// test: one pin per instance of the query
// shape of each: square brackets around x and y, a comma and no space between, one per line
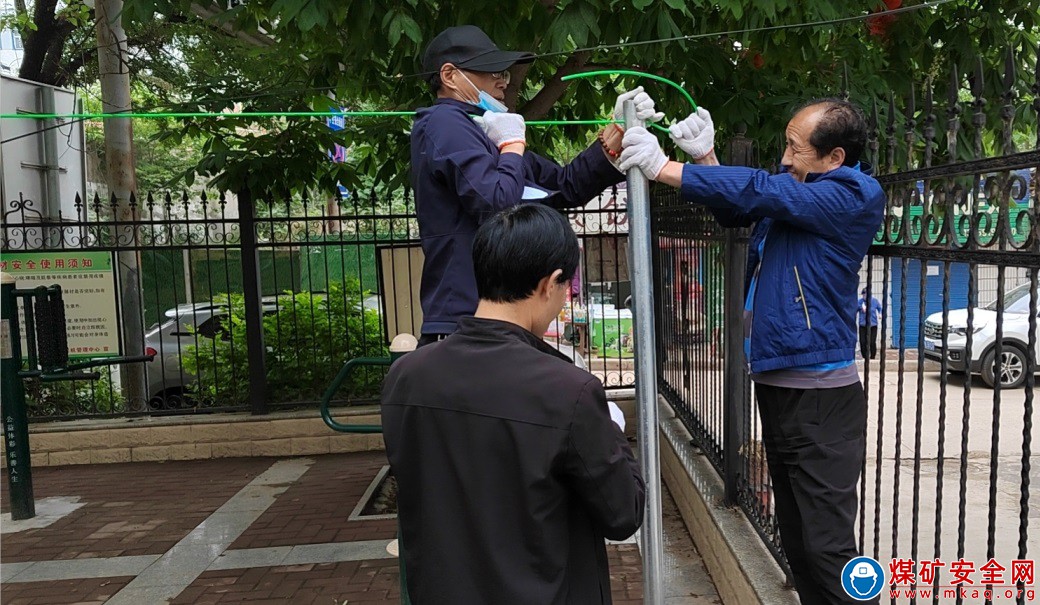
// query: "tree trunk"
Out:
[122,181]
[49,33]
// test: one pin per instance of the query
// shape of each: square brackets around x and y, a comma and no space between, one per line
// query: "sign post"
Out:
[15,416]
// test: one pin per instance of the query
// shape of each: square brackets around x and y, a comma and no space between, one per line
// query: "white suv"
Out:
[1014,363]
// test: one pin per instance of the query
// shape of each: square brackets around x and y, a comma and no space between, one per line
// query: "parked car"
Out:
[1014,363]
[185,326]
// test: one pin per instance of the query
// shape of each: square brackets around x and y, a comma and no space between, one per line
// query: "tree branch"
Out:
[154,34]
[35,42]
[538,107]
[52,70]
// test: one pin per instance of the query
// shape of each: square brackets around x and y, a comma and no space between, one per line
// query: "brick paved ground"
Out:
[129,509]
[147,508]
[316,508]
[80,591]
[359,583]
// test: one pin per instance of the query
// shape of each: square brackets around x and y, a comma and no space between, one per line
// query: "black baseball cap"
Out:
[468,47]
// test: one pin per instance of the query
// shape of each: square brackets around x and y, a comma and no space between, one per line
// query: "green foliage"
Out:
[19,21]
[364,55]
[308,338]
[162,162]
[76,12]
[75,398]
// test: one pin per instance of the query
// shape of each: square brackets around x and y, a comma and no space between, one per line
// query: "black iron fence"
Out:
[951,469]
[254,304]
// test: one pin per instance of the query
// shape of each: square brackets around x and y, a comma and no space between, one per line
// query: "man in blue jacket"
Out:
[812,228]
[869,311]
[464,170]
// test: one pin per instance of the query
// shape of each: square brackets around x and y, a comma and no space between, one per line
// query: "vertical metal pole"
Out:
[737,412]
[255,351]
[15,416]
[49,144]
[646,376]
[735,401]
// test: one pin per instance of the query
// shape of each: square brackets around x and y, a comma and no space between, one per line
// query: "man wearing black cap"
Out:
[464,170]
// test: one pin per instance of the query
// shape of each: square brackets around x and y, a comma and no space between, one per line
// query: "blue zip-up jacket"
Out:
[460,179]
[818,233]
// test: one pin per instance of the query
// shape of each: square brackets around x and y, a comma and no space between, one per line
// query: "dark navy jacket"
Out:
[460,180]
[816,235]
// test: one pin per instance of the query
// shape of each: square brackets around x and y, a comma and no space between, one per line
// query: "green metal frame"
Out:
[330,392]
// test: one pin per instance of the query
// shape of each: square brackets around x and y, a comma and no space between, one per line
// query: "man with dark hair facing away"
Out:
[812,228]
[510,471]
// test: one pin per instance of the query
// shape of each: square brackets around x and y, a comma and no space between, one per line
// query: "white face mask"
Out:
[484,100]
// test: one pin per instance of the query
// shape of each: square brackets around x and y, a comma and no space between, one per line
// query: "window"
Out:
[214,327]
[17,40]
[1015,301]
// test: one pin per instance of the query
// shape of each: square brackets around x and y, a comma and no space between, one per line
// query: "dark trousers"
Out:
[868,341]
[815,443]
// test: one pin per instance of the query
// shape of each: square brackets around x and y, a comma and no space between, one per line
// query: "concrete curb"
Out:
[742,568]
[197,437]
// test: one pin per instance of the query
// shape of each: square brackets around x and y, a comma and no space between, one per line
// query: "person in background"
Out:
[869,312]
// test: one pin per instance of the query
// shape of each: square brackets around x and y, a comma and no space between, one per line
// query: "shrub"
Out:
[308,337]
[75,398]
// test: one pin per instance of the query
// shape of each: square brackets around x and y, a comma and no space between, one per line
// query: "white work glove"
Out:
[640,149]
[644,106]
[504,128]
[695,135]
[616,415]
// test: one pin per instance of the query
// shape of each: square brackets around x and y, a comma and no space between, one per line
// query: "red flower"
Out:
[878,26]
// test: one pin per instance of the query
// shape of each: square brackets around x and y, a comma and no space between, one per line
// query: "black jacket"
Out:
[510,472]
[460,179]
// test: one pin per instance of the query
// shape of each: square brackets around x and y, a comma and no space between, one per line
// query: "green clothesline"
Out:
[330,114]
[253,114]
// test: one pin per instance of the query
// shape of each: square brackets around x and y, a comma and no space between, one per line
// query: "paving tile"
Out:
[292,547]
[165,500]
[50,571]
[64,591]
[316,509]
